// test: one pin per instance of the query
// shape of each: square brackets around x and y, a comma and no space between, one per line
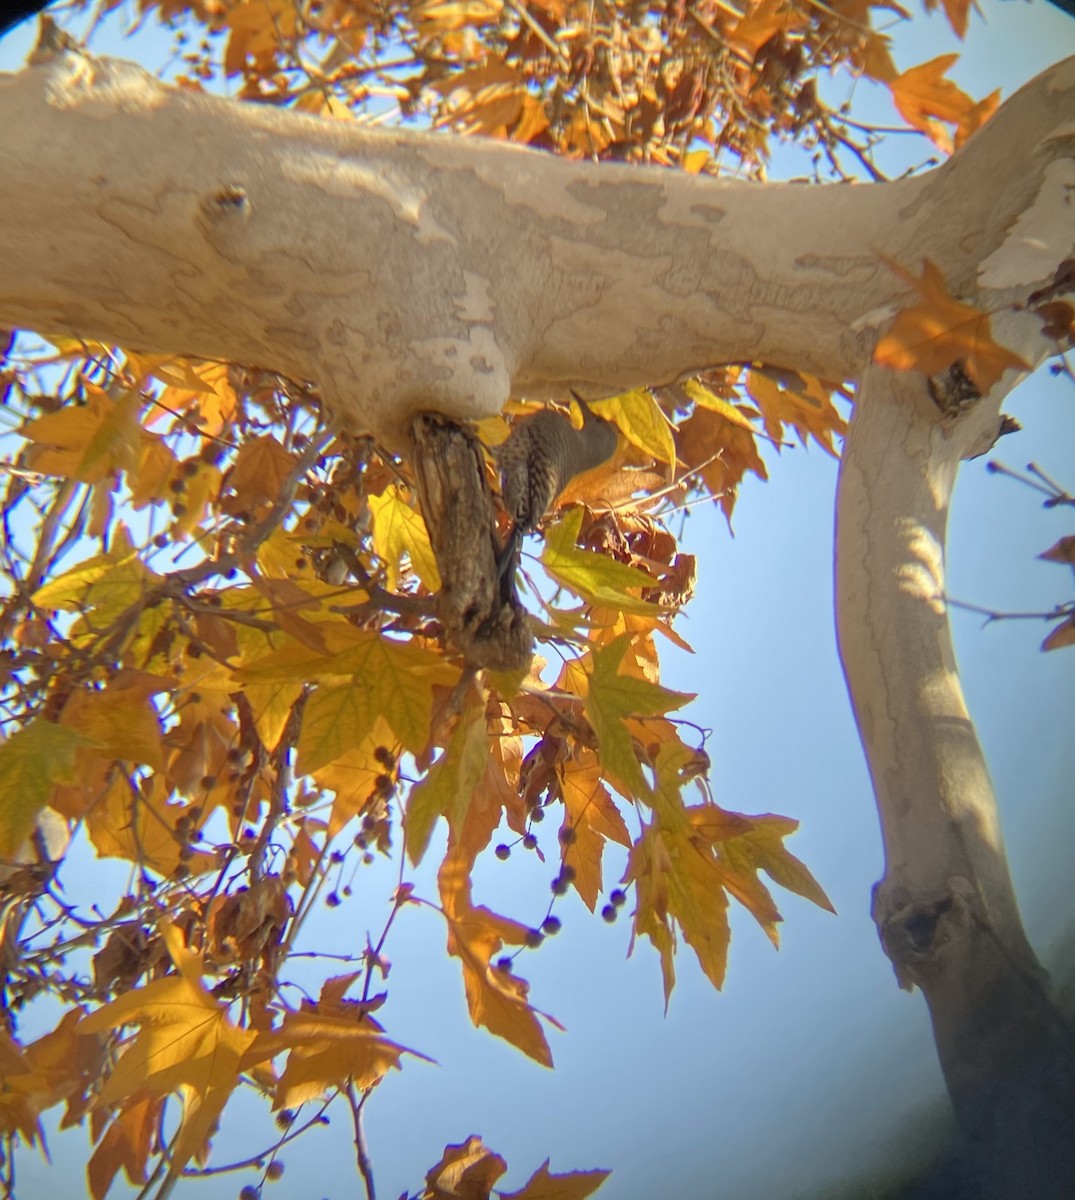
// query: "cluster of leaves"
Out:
[221,664]
[700,84]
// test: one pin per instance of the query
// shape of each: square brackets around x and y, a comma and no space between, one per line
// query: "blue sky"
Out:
[811,1067]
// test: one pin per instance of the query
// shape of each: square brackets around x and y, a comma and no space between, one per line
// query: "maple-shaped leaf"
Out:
[595,577]
[356,775]
[468,1171]
[717,444]
[328,1042]
[611,699]
[592,817]
[639,418]
[140,827]
[204,387]
[398,529]
[121,720]
[185,1042]
[261,469]
[496,999]
[31,761]
[126,1144]
[106,584]
[801,401]
[939,330]
[397,677]
[150,477]
[88,442]
[572,1185]
[927,101]
[957,12]
[449,783]
[761,848]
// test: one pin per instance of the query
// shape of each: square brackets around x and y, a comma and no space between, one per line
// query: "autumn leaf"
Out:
[639,418]
[801,401]
[592,817]
[329,1042]
[121,720]
[611,699]
[31,761]
[1062,635]
[496,999]
[927,101]
[468,1171]
[761,848]
[398,529]
[573,1185]
[185,1042]
[89,441]
[396,677]
[939,330]
[201,386]
[595,577]
[449,783]
[259,473]
[957,12]
[126,1144]
[140,827]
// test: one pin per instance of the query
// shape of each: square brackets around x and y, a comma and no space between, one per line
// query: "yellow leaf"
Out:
[449,784]
[595,577]
[141,827]
[496,998]
[90,441]
[203,386]
[761,848]
[592,818]
[611,699]
[329,1042]
[397,677]
[640,419]
[121,719]
[397,530]
[185,1043]
[939,330]
[467,1171]
[31,761]
[333,720]
[156,467]
[543,1185]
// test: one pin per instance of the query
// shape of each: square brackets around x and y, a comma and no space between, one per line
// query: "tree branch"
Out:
[402,271]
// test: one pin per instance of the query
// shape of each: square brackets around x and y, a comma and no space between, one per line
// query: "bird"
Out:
[542,454]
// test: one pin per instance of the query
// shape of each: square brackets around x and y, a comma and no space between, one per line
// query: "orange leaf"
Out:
[328,1042]
[185,1043]
[927,101]
[939,330]
[496,998]
[543,1185]
[468,1171]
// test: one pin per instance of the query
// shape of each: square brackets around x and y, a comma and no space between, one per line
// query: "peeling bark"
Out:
[458,511]
[405,272]
[945,909]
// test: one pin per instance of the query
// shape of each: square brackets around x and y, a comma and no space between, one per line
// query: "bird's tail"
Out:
[508,563]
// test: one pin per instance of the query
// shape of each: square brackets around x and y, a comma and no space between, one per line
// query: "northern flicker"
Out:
[540,457]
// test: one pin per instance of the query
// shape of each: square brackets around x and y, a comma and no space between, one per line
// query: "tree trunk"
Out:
[945,908]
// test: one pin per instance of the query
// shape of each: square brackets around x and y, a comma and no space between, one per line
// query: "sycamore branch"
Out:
[401,271]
